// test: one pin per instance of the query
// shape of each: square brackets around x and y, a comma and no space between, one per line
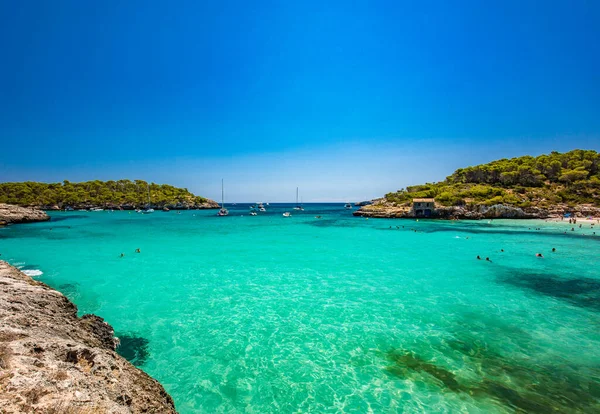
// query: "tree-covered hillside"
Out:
[571,178]
[96,193]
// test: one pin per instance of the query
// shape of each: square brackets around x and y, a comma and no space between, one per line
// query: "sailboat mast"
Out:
[222,195]
[296,195]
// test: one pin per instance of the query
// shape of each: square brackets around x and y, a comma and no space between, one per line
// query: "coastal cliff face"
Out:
[10,214]
[384,209]
[51,361]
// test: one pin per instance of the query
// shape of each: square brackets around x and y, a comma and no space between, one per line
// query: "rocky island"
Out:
[547,186]
[118,195]
[51,361]
[11,214]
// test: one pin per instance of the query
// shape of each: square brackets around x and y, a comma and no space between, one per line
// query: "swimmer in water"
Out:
[502,250]
[538,255]
[138,250]
[553,249]
[487,259]
[122,254]
[478,258]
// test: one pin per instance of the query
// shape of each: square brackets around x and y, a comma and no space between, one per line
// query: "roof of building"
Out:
[423,200]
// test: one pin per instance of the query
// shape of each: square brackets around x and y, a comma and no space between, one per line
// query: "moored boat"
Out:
[223,211]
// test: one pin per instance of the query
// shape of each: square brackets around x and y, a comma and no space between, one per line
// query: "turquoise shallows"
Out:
[338,314]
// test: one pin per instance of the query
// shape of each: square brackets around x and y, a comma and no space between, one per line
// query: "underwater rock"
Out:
[133,348]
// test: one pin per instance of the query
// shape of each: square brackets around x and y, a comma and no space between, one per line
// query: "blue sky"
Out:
[348,100]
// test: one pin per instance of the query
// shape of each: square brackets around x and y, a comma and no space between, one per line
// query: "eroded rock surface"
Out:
[10,214]
[51,361]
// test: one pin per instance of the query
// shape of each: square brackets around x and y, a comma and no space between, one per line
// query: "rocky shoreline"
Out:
[383,209]
[207,205]
[11,214]
[51,361]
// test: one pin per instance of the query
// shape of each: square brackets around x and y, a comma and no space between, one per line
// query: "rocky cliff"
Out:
[51,361]
[10,214]
[385,209]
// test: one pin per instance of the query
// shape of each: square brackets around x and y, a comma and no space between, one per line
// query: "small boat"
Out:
[262,209]
[348,206]
[253,213]
[165,209]
[69,209]
[298,206]
[148,209]
[287,214]
[96,209]
[223,211]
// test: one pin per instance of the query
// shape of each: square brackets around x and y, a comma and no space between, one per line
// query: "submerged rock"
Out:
[52,361]
[10,214]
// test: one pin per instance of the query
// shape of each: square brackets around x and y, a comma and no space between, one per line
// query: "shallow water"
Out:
[339,314]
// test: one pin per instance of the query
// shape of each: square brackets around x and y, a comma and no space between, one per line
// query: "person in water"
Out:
[138,250]
[553,249]
[122,254]
[502,250]
[538,255]
[478,257]
[487,259]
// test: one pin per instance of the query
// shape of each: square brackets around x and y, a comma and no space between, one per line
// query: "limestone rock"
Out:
[16,214]
[51,361]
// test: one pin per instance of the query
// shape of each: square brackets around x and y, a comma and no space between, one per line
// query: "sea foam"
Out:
[32,272]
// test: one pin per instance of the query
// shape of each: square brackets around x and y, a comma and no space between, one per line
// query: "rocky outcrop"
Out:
[185,205]
[51,361]
[383,209]
[209,204]
[10,214]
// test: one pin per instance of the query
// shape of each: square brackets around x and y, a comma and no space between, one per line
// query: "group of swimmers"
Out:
[487,259]
[136,250]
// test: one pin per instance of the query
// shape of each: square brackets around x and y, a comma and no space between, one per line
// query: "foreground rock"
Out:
[384,209]
[53,362]
[10,214]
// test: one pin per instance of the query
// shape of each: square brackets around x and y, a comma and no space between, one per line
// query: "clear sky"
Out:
[347,100]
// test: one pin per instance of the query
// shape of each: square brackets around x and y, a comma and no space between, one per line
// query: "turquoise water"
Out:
[338,314]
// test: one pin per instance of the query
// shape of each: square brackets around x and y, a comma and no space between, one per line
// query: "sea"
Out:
[324,312]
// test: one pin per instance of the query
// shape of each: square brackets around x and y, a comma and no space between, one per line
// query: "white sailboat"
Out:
[148,209]
[348,206]
[298,206]
[223,211]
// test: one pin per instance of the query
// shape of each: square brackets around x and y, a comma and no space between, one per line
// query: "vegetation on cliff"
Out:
[571,178]
[98,193]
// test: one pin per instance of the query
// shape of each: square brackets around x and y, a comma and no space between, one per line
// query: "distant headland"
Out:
[119,195]
[547,186]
